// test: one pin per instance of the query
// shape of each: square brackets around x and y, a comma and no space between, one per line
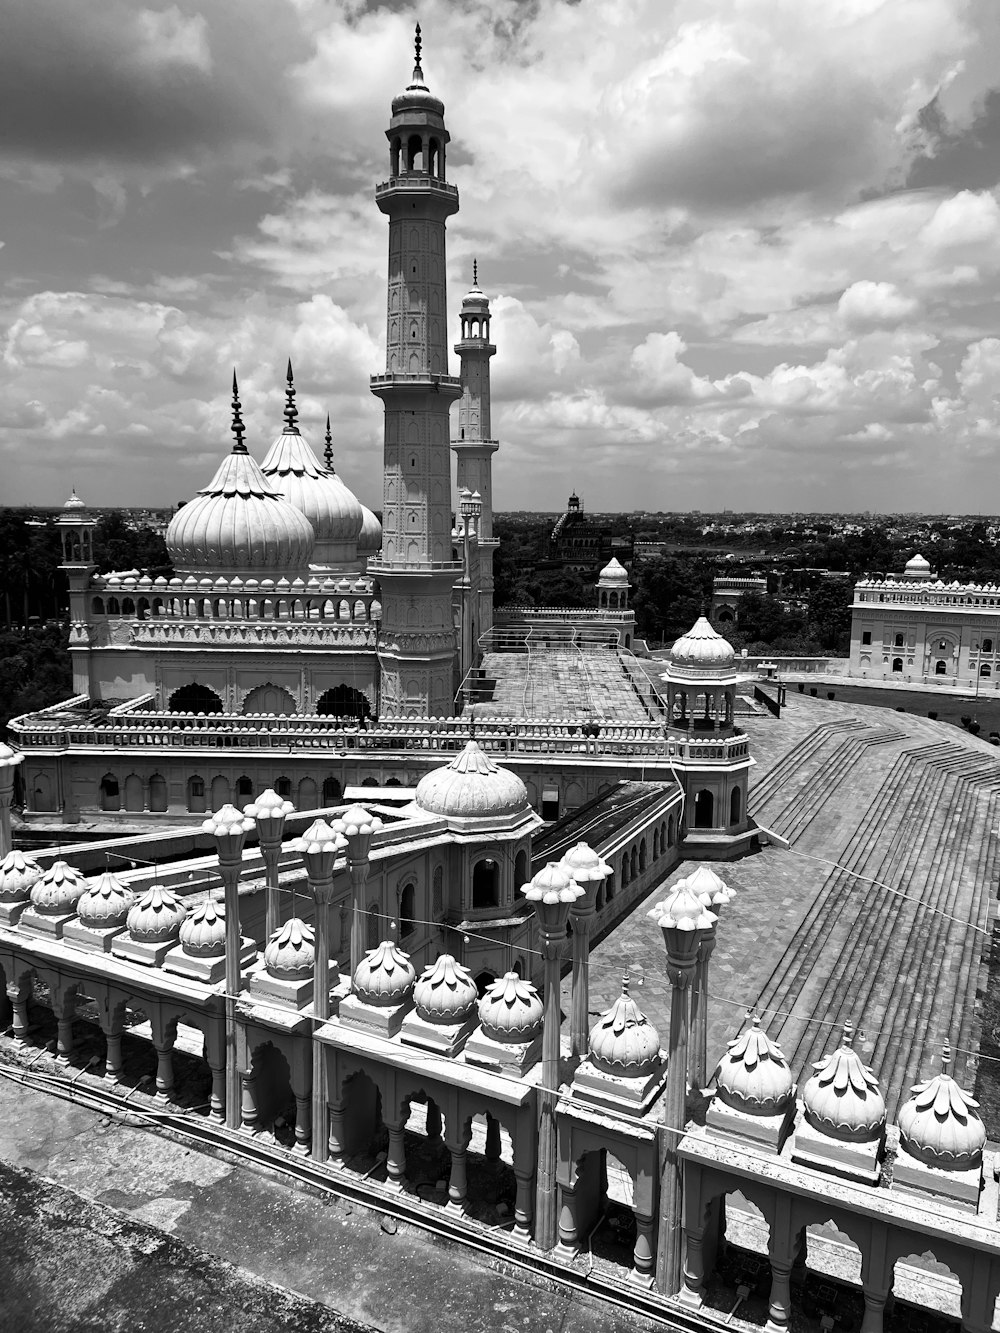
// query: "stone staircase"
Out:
[914,810]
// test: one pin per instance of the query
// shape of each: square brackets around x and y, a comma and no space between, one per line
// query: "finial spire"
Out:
[475,272]
[848,1037]
[291,411]
[945,1057]
[328,446]
[416,46]
[238,428]
[626,981]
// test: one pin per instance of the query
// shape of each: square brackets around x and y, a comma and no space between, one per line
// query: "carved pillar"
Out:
[568,1231]
[779,1310]
[698,1059]
[303,1124]
[217,1097]
[269,811]
[248,1102]
[643,1251]
[112,1025]
[681,916]
[358,827]
[522,1201]
[18,992]
[165,1068]
[875,1303]
[457,1181]
[395,1162]
[64,1028]
[589,872]
[335,1111]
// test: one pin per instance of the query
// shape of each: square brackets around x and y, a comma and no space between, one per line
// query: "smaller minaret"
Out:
[76,526]
[475,447]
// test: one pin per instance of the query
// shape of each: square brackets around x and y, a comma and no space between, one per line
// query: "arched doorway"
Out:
[308,795]
[194,699]
[704,809]
[110,793]
[270,699]
[897,664]
[158,794]
[735,806]
[485,885]
[940,668]
[134,796]
[220,792]
[407,911]
[196,796]
[520,870]
[331,791]
[343,701]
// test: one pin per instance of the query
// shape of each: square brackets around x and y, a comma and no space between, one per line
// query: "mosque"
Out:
[348,826]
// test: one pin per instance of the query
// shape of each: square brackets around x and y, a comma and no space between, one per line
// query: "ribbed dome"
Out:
[613,572]
[706,885]
[18,875]
[623,1041]
[203,933]
[753,1075]
[445,992]
[336,516]
[585,866]
[156,917]
[59,890]
[472,786]
[702,646]
[290,954]
[74,501]
[417,96]
[384,976]
[842,1098]
[918,565]
[106,903]
[370,536]
[511,1010]
[8,756]
[239,522]
[940,1126]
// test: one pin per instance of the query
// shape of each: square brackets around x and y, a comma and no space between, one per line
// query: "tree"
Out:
[830,614]
[668,595]
[761,618]
[118,547]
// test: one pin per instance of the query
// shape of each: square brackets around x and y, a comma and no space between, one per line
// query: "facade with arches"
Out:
[913,626]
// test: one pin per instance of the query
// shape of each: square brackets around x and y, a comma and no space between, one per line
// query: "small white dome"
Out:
[753,1075]
[74,501]
[290,954]
[156,917]
[940,1124]
[239,522]
[59,890]
[106,903]
[333,511]
[203,933]
[917,564]
[702,647]
[18,875]
[842,1098]
[623,1041]
[384,976]
[445,992]
[511,1010]
[706,885]
[472,786]
[614,573]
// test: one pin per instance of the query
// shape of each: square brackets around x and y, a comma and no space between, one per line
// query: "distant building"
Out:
[579,544]
[915,627]
[726,593]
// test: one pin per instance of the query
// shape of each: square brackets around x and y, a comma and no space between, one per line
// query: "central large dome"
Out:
[335,514]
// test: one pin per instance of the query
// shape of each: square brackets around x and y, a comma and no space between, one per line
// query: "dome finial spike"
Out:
[945,1057]
[848,1038]
[475,272]
[626,981]
[238,428]
[328,446]
[416,46]
[291,411]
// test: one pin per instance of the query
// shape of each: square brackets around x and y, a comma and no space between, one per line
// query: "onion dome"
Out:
[623,1041]
[703,648]
[74,502]
[203,933]
[370,536]
[445,992]
[295,471]
[842,1098]
[511,1010]
[472,786]
[384,976]
[156,917]
[239,521]
[290,954]
[106,903]
[753,1075]
[705,884]
[551,885]
[475,300]
[940,1126]
[59,890]
[417,97]
[917,564]
[18,876]
[614,573]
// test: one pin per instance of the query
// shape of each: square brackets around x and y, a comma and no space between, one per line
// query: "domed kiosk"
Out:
[755,1093]
[941,1141]
[842,1126]
[624,1064]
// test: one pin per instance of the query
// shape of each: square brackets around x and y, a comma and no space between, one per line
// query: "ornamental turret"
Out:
[416,569]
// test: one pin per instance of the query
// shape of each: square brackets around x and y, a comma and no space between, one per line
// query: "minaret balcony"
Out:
[417,181]
[419,379]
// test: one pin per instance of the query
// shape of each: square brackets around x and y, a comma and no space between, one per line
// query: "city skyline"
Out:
[737,259]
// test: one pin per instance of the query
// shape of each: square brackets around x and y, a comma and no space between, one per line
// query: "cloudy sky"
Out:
[742,253]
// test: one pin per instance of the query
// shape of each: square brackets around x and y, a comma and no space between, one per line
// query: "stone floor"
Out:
[560,683]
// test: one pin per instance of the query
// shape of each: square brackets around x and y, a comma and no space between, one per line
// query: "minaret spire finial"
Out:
[328,447]
[291,411]
[416,46]
[238,428]
[475,272]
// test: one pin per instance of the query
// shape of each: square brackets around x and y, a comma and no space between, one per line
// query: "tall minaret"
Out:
[474,446]
[415,569]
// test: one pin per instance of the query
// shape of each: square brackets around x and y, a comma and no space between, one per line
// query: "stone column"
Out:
[247,1102]
[779,1310]
[18,992]
[335,1152]
[568,1231]
[589,872]
[358,827]
[303,1124]
[269,811]
[64,1027]
[522,1201]
[229,829]
[642,1253]
[395,1162]
[457,1181]
[698,1055]
[165,1069]
[319,848]
[551,892]
[875,1303]
[680,916]
[217,1097]
[112,1025]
